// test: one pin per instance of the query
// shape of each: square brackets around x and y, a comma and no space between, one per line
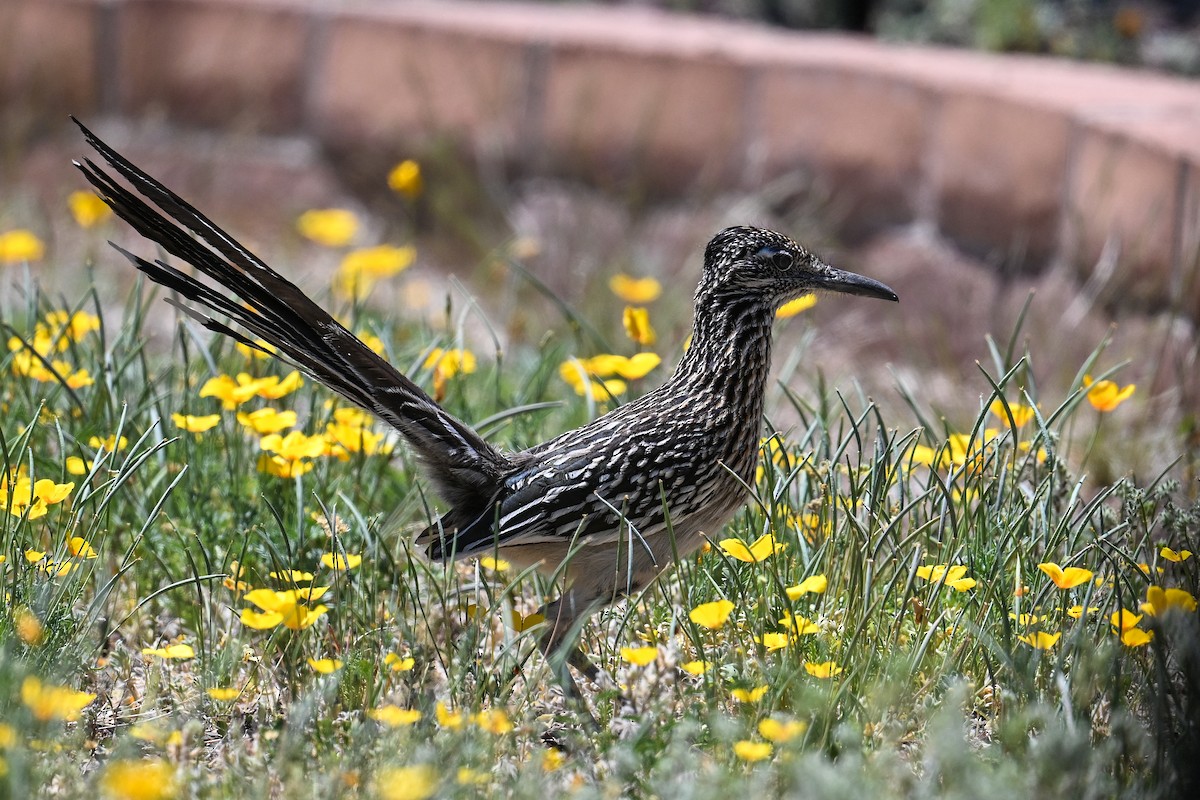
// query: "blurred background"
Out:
[1022,172]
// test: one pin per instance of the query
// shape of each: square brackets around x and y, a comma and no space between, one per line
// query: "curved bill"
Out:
[838,280]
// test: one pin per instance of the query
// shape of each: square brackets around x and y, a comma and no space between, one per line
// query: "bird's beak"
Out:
[838,280]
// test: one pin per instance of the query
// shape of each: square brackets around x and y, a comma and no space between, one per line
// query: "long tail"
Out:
[463,466]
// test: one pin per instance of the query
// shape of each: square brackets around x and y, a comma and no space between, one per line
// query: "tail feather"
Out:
[465,468]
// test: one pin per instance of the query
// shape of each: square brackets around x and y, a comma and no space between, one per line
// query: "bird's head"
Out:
[764,266]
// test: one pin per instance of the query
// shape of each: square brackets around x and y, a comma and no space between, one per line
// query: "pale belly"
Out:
[605,569]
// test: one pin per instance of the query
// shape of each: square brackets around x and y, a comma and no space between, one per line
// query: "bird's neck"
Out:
[730,356]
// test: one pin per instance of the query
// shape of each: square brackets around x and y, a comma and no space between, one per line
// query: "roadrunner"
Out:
[609,505]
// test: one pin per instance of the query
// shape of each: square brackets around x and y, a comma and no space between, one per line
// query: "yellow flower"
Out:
[601,390]
[697,667]
[77,466]
[194,424]
[79,379]
[310,593]
[405,178]
[232,393]
[800,626]
[1041,640]
[283,608]
[825,669]
[48,702]
[20,245]
[450,362]
[373,342]
[150,732]
[325,666]
[261,351]
[110,443]
[360,269]
[955,576]
[407,783]
[637,325]
[1067,578]
[1021,413]
[59,570]
[151,779]
[87,208]
[465,776]
[179,652]
[1106,395]
[267,420]
[340,563]
[289,453]
[752,751]
[1075,612]
[33,499]
[920,454]
[1176,556]
[394,716]
[273,387]
[794,307]
[817,584]
[749,695]
[350,417]
[493,720]
[1136,637]
[233,580]
[553,760]
[292,575]
[761,549]
[52,493]
[774,450]
[635,290]
[1124,619]
[774,641]
[224,693]
[1160,600]
[962,448]
[34,556]
[66,328]
[780,731]
[636,366]
[1025,620]
[342,440]
[595,376]
[80,548]
[711,615]
[1040,455]
[399,664]
[494,564]
[260,620]
[29,627]
[332,227]
[639,656]
[453,720]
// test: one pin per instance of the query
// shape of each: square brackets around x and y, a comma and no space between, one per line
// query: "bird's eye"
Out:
[780,258]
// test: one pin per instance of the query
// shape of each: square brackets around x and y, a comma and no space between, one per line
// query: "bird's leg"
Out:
[560,645]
